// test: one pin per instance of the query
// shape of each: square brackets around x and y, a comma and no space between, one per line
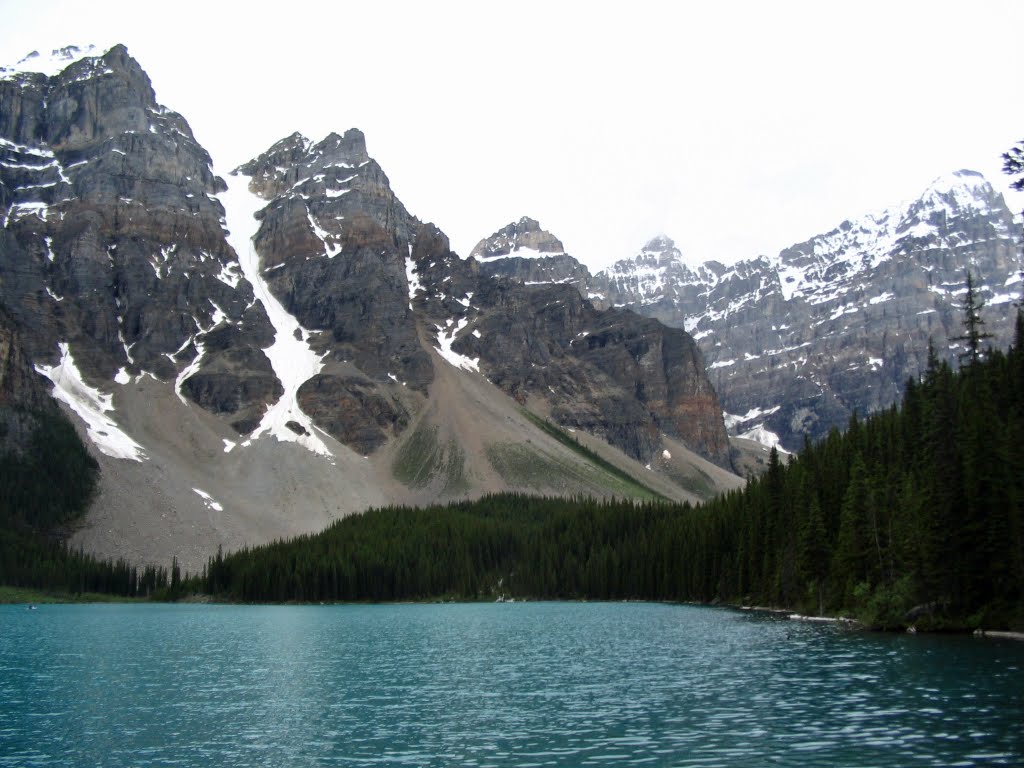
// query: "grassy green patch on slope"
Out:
[423,458]
[417,460]
[623,481]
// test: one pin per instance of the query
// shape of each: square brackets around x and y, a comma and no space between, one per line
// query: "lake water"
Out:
[522,684]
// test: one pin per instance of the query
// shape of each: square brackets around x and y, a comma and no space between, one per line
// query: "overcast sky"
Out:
[735,128]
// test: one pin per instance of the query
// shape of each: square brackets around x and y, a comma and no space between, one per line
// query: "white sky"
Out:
[737,128]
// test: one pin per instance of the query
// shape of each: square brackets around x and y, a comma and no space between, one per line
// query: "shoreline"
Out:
[27,596]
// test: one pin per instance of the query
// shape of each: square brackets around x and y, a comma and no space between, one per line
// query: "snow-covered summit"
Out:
[824,267]
[50,63]
[657,271]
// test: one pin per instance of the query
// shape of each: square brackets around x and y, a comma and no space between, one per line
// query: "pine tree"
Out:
[814,550]
[972,323]
[1013,165]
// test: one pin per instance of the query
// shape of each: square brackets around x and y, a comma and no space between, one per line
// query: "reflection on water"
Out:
[523,684]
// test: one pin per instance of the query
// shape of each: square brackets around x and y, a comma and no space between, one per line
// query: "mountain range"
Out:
[255,352]
[797,343]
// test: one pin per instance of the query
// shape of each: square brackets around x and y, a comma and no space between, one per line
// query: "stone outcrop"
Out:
[614,374]
[377,288]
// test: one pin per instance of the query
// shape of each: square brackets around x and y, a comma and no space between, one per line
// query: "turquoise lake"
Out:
[520,684]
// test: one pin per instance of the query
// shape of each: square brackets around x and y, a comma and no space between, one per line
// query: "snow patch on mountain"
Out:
[828,266]
[208,500]
[521,252]
[50,63]
[765,437]
[92,406]
[290,355]
[330,249]
[732,421]
[446,337]
[412,277]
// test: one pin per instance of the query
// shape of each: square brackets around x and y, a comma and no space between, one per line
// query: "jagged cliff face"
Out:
[22,390]
[609,373]
[296,300]
[113,238]
[795,344]
[333,242]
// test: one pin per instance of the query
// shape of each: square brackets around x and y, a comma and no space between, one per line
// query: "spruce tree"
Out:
[814,552]
[973,324]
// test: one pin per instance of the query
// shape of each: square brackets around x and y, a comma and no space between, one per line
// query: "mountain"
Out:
[253,354]
[523,251]
[797,343]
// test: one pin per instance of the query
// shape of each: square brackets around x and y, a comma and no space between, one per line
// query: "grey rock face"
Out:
[795,344]
[614,374]
[524,234]
[524,252]
[22,390]
[333,242]
[113,237]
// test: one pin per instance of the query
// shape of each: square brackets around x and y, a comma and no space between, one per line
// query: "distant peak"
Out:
[353,145]
[660,243]
[961,178]
[958,190]
[524,234]
[292,142]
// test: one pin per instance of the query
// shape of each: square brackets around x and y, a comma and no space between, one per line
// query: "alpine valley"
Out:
[255,352]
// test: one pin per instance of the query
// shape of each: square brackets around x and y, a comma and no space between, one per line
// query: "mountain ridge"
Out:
[798,342]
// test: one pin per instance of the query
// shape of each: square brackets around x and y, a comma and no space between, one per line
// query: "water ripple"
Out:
[544,684]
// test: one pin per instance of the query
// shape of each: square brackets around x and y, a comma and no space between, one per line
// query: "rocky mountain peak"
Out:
[86,98]
[659,251]
[655,273]
[962,193]
[349,148]
[80,60]
[524,252]
[197,328]
[522,239]
[47,64]
[661,243]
